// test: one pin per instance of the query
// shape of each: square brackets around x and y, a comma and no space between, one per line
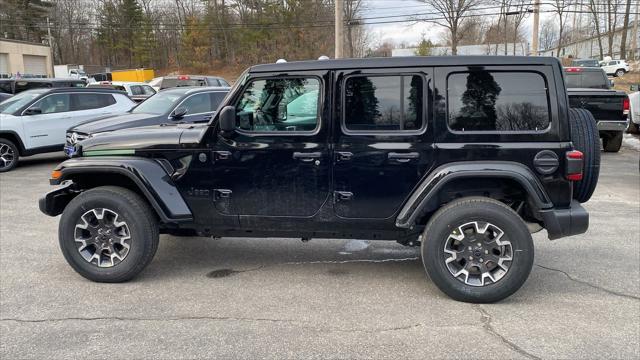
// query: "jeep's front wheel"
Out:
[477,250]
[108,234]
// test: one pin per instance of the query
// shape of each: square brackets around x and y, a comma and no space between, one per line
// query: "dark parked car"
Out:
[585,63]
[588,88]
[186,105]
[4,96]
[187,80]
[464,156]
[15,86]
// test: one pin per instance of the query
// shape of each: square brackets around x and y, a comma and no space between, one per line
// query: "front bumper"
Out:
[565,222]
[53,202]
[613,125]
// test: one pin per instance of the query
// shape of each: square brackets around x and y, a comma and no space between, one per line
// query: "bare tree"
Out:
[451,15]
[548,34]
[593,9]
[560,7]
[625,30]
[352,9]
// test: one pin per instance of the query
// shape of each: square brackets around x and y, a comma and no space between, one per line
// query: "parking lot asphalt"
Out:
[282,298]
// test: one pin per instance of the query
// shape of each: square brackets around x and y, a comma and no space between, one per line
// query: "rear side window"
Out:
[383,103]
[198,103]
[92,101]
[216,99]
[497,101]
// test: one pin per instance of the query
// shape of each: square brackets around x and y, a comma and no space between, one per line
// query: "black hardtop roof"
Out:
[408,61]
[195,89]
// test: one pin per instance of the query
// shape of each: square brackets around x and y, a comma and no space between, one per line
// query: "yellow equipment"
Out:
[138,75]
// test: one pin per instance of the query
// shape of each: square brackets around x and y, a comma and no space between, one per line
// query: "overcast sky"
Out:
[409,32]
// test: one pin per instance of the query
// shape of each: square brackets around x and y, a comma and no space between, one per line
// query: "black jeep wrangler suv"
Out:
[464,156]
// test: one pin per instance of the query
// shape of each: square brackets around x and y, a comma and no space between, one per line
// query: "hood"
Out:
[128,141]
[116,122]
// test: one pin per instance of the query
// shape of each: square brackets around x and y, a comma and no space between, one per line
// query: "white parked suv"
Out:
[36,121]
[615,67]
[137,91]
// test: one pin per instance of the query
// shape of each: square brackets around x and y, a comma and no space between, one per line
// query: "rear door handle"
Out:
[307,156]
[403,157]
[344,155]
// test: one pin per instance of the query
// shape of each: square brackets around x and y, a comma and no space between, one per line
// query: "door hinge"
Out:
[342,196]
[219,194]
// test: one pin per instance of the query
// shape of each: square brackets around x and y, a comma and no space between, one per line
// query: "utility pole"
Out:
[50,40]
[634,43]
[535,31]
[339,20]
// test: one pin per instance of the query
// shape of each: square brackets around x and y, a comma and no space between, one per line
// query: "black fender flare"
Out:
[147,174]
[429,187]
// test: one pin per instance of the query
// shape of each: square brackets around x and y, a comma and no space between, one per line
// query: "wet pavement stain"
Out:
[337,272]
[221,273]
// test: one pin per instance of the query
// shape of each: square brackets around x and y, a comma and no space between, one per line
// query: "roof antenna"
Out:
[280,61]
[323,57]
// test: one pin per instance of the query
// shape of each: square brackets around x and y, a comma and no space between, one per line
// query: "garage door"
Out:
[4,63]
[35,65]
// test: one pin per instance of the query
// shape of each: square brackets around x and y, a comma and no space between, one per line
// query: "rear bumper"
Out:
[565,222]
[613,125]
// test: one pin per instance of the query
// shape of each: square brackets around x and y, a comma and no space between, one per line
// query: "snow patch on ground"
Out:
[631,141]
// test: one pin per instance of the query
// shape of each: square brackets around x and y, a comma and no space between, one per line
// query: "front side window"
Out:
[484,100]
[54,104]
[282,104]
[384,103]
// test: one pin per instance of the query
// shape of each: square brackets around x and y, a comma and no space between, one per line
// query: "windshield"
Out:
[158,104]
[14,103]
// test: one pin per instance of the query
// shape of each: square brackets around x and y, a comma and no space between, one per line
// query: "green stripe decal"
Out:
[108,152]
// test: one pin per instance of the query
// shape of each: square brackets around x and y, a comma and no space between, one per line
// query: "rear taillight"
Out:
[625,106]
[574,165]
[573,69]
[183,77]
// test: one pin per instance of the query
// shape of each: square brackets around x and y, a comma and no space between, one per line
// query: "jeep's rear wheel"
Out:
[8,155]
[477,250]
[585,138]
[108,234]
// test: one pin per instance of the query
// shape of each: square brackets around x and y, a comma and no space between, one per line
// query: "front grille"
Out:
[74,138]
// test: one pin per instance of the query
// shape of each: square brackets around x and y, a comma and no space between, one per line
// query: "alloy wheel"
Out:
[101,238]
[478,253]
[7,156]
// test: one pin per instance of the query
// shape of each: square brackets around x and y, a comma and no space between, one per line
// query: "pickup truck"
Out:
[588,88]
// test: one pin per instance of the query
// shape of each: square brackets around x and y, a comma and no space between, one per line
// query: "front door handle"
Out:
[403,157]
[307,156]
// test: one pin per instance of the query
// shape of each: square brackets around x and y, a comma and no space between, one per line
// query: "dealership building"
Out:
[24,58]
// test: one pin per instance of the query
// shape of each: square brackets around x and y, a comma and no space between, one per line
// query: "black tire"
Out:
[141,222]
[481,209]
[9,155]
[585,138]
[612,142]
[620,72]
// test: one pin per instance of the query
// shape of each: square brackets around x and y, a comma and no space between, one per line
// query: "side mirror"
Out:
[33,111]
[227,119]
[611,83]
[179,113]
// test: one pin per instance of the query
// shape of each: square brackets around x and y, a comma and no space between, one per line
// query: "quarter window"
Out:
[497,101]
[384,103]
[282,104]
